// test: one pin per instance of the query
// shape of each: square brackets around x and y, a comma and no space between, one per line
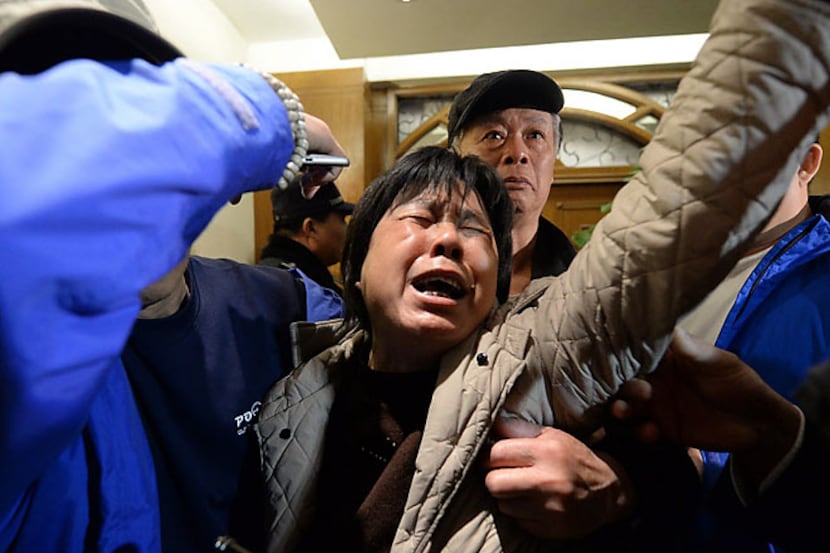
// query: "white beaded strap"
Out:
[296,116]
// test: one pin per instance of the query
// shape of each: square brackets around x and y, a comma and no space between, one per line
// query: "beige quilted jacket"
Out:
[558,352]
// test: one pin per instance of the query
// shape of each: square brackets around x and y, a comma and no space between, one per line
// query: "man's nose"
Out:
[515,150]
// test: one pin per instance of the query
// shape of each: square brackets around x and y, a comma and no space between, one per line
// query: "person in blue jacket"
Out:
[211,339]
[707,397]
[108,172]
[773,311]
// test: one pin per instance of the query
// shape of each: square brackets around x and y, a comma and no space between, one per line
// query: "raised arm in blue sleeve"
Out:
[107,174]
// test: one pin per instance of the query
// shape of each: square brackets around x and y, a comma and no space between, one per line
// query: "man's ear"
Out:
[308,227]
[811,162]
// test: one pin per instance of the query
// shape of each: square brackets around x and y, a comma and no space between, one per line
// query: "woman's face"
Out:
[429,277]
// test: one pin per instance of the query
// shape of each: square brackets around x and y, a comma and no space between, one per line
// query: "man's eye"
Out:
[537,135]
[493,135]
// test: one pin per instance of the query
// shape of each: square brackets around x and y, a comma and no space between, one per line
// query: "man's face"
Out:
[520,144]
[330,236]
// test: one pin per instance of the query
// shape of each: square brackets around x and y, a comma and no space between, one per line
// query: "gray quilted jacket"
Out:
[720,160]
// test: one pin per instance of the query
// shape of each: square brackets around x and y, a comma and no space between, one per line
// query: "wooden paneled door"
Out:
[338,97]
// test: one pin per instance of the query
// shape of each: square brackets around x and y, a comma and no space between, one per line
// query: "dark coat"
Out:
[288,254]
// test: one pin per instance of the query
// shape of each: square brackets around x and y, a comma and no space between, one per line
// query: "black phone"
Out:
[316,160]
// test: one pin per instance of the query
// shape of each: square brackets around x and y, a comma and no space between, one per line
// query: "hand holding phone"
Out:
[316,167]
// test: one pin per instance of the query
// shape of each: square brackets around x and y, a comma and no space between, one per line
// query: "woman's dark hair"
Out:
[429,169]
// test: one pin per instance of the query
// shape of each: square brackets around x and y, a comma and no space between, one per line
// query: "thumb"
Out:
[692,348]
[512,427]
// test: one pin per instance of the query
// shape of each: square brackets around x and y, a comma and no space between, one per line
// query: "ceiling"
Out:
[375,28]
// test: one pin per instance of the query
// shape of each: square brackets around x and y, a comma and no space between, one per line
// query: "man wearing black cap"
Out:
[308,233]
[510,119]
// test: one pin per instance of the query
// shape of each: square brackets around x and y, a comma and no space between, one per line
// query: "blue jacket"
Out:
[199,376]
[780,321]
[108,172]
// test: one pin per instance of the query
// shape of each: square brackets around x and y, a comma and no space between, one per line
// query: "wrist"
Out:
[296,118]
[776,441]
[622,497]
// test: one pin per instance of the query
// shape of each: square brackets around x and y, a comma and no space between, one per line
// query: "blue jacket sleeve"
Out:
[713,465]
[321,303]
[107,173]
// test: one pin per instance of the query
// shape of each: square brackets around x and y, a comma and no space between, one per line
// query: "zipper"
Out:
[778,256]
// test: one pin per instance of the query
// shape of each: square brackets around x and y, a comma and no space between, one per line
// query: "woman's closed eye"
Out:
[422,219]
[474,227]
[471,223]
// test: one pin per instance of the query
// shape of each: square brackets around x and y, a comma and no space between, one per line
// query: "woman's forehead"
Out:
[444,195]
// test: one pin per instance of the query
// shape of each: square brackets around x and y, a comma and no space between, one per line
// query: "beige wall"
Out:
[821,184]
[208,36]
[338,97]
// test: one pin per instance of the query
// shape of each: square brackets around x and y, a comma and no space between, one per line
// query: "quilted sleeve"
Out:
[719,162]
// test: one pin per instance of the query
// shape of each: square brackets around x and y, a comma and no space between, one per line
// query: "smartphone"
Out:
[315,160]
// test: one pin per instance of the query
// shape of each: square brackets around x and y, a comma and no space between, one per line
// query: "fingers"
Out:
[693,348]
[648,432]
[522,444]
[632,399]
[622,410]
[564,512]
[632,406]
[510,453]
[308,192]
[510,427]
[552,453]
[513,445]
[320,138]
[552,484]
[322,141]
[508,483]
[316,177]
[636,391]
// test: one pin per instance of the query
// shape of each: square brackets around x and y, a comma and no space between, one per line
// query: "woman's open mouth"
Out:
[443,286]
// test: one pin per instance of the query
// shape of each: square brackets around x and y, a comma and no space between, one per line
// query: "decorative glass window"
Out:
[604,124]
